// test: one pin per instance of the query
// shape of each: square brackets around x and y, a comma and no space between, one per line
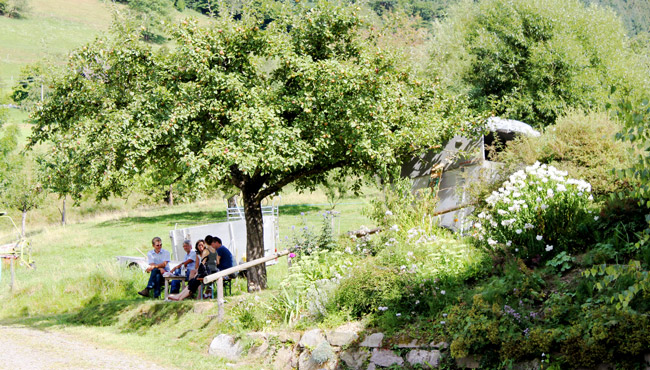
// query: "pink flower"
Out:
[292,255]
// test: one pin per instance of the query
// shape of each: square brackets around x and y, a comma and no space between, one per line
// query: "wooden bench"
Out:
[172,278]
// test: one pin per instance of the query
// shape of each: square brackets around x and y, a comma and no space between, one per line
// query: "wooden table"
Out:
[171,278]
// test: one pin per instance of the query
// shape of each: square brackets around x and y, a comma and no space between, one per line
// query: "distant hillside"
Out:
[635,13]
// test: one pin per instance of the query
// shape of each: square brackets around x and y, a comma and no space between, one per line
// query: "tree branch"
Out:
[295,176]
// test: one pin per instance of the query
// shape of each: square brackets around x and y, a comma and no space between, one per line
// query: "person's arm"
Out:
[150,261]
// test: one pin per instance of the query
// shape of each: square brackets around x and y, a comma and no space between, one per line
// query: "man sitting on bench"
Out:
[189,264]
[158,260]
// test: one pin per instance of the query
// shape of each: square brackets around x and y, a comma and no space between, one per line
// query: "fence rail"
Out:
[218,276]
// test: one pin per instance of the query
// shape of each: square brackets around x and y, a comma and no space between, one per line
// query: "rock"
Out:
[224,346]
[411,344]
[260,344]
[203,307]
[285,336]
[385,358]
[312,338]
[344,334]
[354,359]
[305,362]
[427,359]
[468,362]
[528,365]
[373,340]
[285,359]
[443,345]
[371,366]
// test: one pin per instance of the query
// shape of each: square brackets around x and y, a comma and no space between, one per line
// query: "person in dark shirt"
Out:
[224,257]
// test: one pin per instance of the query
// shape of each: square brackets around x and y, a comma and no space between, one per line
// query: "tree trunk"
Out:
[170,195]
[22,230]
[254,242]
[232,202]
[63,211]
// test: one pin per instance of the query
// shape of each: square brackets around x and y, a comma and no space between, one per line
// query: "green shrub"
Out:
[582,144]
[537,213]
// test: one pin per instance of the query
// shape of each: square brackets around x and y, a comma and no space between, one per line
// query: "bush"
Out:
[583,144]
[537,213]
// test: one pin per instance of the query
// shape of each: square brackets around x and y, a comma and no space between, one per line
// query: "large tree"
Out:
[532,59]
[238,105]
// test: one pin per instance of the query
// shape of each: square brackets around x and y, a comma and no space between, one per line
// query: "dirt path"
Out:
[26,348]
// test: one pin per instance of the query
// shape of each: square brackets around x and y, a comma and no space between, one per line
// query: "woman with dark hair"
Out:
[199,247]
[203,269]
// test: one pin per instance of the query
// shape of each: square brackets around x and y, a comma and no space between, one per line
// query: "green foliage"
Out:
[152,15]
[30,85]
[561,262]
[14,8]
[536,214]
[531,60]
[582,144]
[634,14]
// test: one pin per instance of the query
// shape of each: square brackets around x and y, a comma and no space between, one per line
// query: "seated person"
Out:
[158,260]
[194,283]
[225,259]
[189,263]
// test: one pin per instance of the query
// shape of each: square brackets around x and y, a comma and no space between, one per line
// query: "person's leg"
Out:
[158,282]
[176,284]
[182,295]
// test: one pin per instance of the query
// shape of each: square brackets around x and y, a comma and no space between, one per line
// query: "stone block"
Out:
[285,359]
[224,346]
[354,359]
[344,334]
[468,362]
[385,358]
[312,338]
[426,359]
[373,340]
[412,344]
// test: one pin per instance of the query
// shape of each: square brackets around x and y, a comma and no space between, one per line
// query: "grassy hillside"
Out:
[50,30]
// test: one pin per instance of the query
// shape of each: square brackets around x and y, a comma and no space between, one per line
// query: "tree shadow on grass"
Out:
[183,218]
[151,315]
[297,209]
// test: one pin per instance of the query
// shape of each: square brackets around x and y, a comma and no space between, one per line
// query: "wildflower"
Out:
[516,249]
[491,241]
[560,187]
[502,212]
[389,213]
[443,292]
[442,322]
[518,231]
[508,243]
[596,218]
[409,254]
[544,206]
[549,193]
[302,213]
[549,248]
[398,314]
[394,228]
[402,267]
[417,302]
[591,197]
[292,255]
[539,237]
[528,226]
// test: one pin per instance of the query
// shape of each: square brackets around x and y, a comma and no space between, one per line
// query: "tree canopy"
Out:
[237,105]
[530,60]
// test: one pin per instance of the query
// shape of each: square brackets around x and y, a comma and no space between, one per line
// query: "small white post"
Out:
[12,273]
[220,300]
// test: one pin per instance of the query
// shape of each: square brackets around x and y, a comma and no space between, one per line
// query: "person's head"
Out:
[208,240]
[187,246]
[216,242]
[200,246]
[157,244]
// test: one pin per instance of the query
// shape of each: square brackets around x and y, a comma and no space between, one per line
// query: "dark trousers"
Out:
[156,281]
[176,284]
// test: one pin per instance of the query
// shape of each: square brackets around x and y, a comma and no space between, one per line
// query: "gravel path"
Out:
[26,348]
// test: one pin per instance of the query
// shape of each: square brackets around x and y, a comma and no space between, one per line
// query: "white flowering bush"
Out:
[537,212]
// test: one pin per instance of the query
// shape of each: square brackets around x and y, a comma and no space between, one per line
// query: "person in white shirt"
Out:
[189,263]
[158,260]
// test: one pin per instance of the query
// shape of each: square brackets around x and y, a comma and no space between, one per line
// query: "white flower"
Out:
[508,243]
[502,212]
[549,248]
[442,323]
[409,254]
[402,267]
[591,197]
[398,314]
[538,237]
[491,241]
[528,226]
[443,292]
[596,218]
[544,206]
[417,302]
[380,308]
[389,213]
[560,187]
[538,200]
[394,228]
[516,249]
[549,193]
[518,231]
